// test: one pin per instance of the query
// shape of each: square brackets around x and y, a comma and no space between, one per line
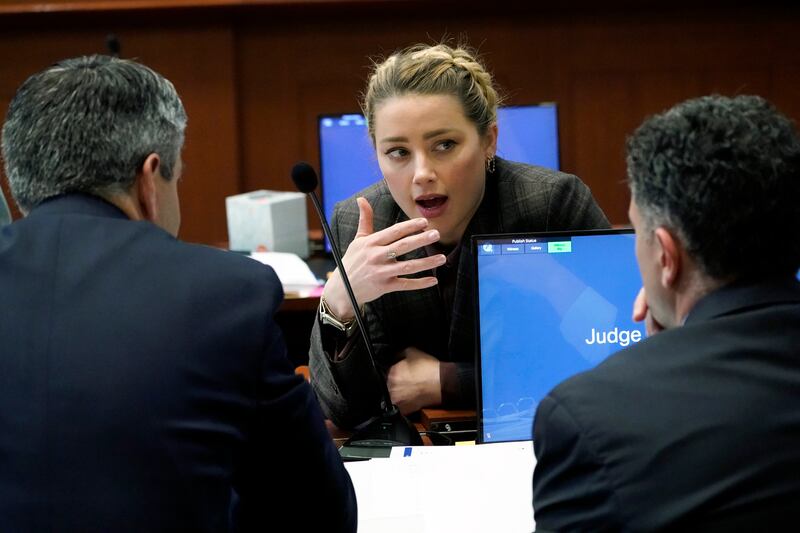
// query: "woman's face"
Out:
[433,160]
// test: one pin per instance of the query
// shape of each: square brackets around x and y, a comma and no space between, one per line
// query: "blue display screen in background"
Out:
[528,134]
[549,307]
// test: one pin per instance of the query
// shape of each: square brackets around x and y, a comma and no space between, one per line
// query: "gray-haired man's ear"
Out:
[146,188]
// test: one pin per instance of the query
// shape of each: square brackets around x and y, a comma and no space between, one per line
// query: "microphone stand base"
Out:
[377,438]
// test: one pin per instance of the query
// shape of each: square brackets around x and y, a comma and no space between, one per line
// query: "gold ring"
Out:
[391,254]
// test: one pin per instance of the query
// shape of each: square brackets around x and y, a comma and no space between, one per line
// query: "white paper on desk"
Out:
[483,488]
[388,501]
[293,272]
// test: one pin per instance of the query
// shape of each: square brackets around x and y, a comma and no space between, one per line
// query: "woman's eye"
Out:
[396,153]
[444,146]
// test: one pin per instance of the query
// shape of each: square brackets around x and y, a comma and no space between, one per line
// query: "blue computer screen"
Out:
[548,308]
[528,134]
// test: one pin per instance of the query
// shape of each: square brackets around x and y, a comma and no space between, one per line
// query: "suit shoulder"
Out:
[219,260]
[377,195]
[527,189]
[532,176]
[546,199]
[345,213]
[225,269]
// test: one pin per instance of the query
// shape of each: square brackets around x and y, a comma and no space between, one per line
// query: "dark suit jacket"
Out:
[143,380]
[518,197]
[694,429]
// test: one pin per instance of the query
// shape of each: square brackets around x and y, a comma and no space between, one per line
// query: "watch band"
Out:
[328,318]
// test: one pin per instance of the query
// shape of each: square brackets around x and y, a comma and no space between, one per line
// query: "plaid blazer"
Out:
[517,198]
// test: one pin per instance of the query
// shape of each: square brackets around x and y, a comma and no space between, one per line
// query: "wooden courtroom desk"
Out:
[448,420]
[427,420]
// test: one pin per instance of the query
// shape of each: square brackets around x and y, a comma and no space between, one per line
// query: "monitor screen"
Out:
[527,134]
[548,306]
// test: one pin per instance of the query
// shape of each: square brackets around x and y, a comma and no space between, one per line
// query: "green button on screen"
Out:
[559,247]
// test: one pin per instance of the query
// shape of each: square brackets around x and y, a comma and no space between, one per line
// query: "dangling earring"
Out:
[490,164]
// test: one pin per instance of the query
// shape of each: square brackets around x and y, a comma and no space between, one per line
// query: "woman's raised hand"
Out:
[372,266]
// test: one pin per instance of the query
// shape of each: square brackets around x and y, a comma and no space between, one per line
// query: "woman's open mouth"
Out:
[431,205]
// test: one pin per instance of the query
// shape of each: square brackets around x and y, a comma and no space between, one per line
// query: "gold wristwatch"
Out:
[327,317]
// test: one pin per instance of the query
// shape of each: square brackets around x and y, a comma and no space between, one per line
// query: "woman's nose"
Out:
[423,170]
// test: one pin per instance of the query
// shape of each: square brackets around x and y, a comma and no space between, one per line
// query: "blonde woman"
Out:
[432,116]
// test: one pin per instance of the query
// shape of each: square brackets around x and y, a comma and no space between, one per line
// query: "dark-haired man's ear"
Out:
[669,257]
[146,187]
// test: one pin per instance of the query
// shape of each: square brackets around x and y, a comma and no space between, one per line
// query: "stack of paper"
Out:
[442,489]
[296,278]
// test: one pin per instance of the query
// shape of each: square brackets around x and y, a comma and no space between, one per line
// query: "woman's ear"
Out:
[490,141]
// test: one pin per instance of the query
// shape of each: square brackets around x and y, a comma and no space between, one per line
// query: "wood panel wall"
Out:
[255,77]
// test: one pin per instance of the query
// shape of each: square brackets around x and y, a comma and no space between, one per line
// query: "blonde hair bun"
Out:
[434,69]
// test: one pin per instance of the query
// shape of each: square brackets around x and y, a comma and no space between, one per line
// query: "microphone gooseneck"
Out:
[391,428]
[305,179]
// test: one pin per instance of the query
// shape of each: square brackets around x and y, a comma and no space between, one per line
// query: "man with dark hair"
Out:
[698,427]
[144,385]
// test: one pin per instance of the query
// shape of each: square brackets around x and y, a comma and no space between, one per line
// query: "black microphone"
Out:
[113,44]
[390,428]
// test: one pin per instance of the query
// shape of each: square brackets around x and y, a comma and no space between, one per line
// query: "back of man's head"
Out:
[87,125]
[724,175]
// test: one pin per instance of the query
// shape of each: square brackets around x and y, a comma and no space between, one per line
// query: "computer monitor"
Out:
[527,134]
[548,305]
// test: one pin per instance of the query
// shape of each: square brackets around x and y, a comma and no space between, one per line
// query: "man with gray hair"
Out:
[697,428]
[144,385]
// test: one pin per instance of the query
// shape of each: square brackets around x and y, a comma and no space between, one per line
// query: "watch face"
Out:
[329,321]
[326,318]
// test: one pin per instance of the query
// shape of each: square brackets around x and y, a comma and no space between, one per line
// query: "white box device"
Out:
[275,220]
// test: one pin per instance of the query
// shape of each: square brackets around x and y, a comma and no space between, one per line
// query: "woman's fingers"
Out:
[411,284]
[371,259]
[413,266]
[397,231]
[364,217]
[413,242]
